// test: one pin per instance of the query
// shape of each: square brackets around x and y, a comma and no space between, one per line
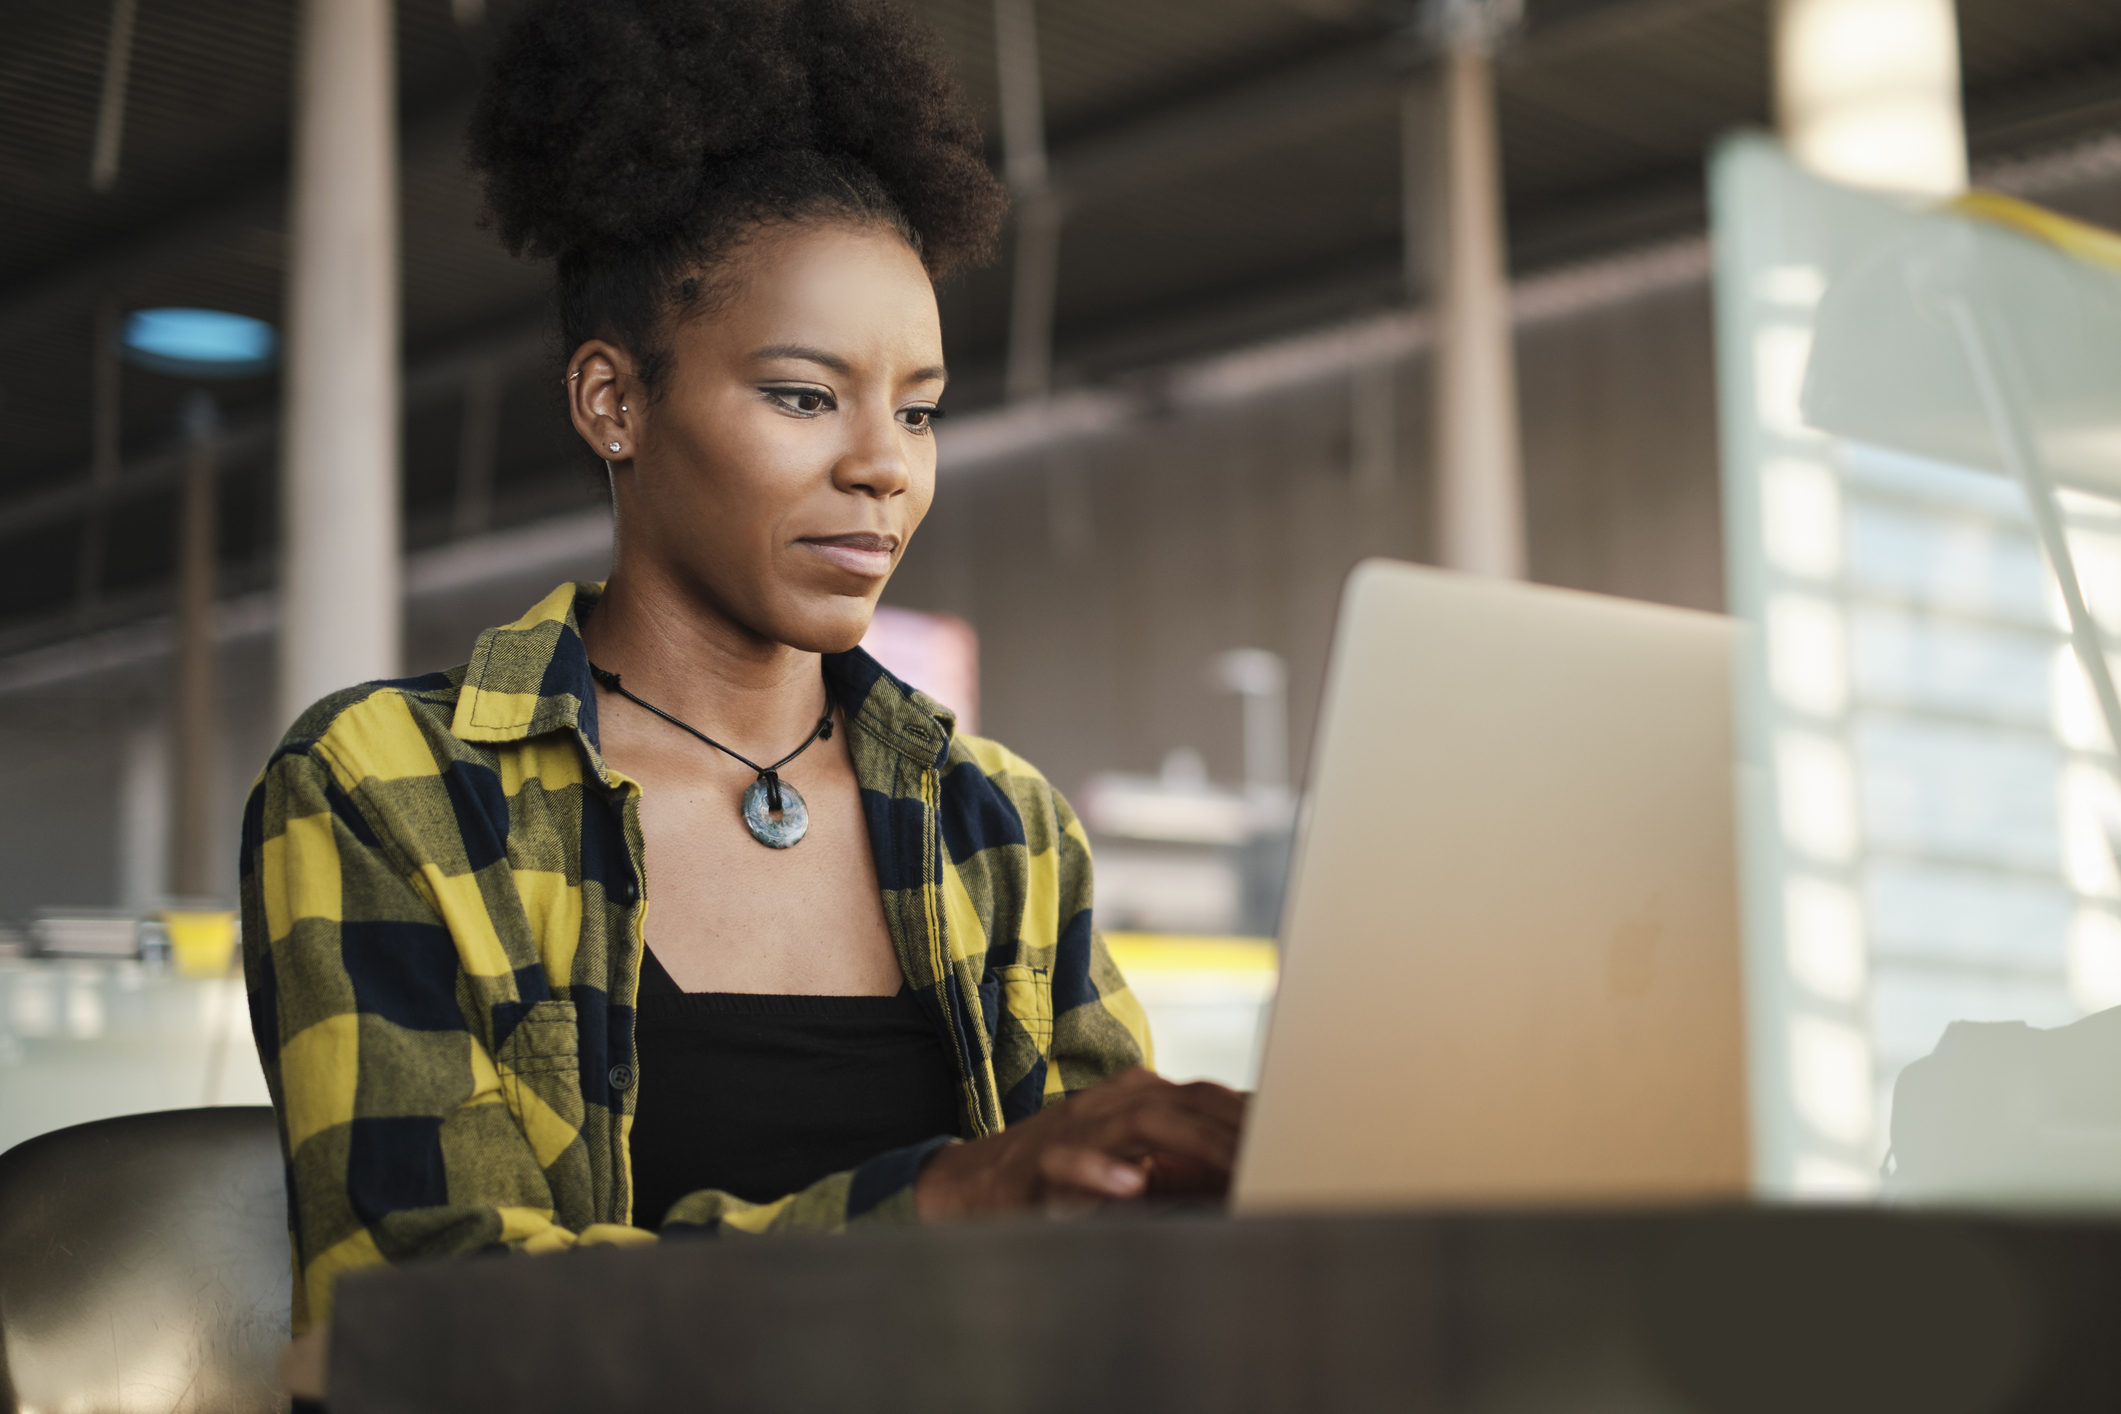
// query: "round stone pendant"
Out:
[758,818]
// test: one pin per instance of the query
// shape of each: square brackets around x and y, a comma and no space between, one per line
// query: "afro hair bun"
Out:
[611,126]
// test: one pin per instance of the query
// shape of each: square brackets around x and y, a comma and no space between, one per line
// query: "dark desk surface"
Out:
[1779,1311]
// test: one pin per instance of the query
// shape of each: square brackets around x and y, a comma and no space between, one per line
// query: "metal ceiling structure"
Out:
[1231,169]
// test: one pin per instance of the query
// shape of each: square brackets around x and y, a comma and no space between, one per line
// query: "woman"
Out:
[869,989]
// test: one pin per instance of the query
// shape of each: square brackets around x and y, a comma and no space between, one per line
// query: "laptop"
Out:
[1510,951]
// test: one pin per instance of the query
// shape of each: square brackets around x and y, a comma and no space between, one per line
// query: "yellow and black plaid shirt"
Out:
[443,901]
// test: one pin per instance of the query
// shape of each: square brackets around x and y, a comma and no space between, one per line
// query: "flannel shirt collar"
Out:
[532,677]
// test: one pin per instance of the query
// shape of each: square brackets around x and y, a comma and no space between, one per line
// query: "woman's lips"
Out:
[866,555]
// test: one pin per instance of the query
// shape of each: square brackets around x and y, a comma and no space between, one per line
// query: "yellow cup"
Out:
[203,944]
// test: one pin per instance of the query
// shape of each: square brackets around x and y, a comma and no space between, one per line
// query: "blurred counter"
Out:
[1207,1000]
[1676,1311]
[83,1040]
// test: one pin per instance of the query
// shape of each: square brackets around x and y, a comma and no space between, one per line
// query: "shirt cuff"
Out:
[882,1189]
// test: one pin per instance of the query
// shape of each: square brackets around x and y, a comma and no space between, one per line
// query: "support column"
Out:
[1479,492]
[195,820]
[1029,375]
[110,113]
[340,574]
[1867,92]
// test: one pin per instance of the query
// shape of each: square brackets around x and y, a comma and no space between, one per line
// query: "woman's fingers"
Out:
[1173,1129]
[1150,1122]
[1174,1177]
[1218,1102]
[1072,1167]
[1117,1141]
[1138,1113]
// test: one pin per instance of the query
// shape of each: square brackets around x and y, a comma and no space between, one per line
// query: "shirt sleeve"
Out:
[1099,1027]
[399,1141]
[879,1192]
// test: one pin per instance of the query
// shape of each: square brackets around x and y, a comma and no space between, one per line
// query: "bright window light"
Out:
[1801,514]
[1831,1078]
[2095,959]
[1808,654]
[1830,1179]
[2078,722]
[2090,805]
[2098,576]
[1868,92]
[1780,353]
[1825,926]
[1817,788]
[1796,286]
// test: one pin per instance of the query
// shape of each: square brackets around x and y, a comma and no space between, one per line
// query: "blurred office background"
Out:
[1274,263]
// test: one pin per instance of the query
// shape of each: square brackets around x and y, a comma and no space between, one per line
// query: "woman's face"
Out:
[790,456]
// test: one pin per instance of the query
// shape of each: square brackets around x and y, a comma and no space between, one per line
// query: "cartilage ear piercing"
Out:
[614,446]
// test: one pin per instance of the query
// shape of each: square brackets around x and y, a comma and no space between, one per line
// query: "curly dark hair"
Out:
[636,141]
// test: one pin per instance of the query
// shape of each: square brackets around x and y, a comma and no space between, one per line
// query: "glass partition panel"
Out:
[1932,905]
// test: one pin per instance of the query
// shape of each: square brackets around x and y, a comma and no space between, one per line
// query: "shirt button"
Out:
[630,891]
[621,1077]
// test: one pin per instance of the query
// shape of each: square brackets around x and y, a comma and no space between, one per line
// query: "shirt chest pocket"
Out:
[541,1077]
[545,1040]
[1026,993]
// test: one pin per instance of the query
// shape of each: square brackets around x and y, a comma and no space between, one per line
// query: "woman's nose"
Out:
[877,462]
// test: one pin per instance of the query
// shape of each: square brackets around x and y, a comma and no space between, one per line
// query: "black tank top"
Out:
[761,1096]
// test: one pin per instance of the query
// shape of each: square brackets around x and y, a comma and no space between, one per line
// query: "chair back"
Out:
[144,1266]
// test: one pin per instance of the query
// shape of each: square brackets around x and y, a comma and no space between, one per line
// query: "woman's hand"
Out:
[1136,1134]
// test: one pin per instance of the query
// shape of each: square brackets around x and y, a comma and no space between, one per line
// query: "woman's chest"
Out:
[727,913]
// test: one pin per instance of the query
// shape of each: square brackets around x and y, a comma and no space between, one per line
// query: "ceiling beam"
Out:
[170,243]
[2054,107]
[1618,22]
[1323,96]
[508,352]
[575,544]
[68,290]
[1357,85]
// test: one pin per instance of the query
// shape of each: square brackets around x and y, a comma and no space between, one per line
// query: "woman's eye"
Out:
[807,401]
[919,419]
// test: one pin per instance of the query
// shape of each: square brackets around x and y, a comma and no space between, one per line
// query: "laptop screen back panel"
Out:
[1511,967]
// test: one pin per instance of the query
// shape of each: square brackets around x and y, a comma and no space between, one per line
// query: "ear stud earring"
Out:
[613,445]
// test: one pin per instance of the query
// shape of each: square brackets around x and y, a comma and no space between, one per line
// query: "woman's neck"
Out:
[697,663]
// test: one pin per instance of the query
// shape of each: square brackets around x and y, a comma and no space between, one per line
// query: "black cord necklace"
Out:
[765,798]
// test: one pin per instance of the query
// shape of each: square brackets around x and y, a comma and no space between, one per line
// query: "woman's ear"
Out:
[602,399]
